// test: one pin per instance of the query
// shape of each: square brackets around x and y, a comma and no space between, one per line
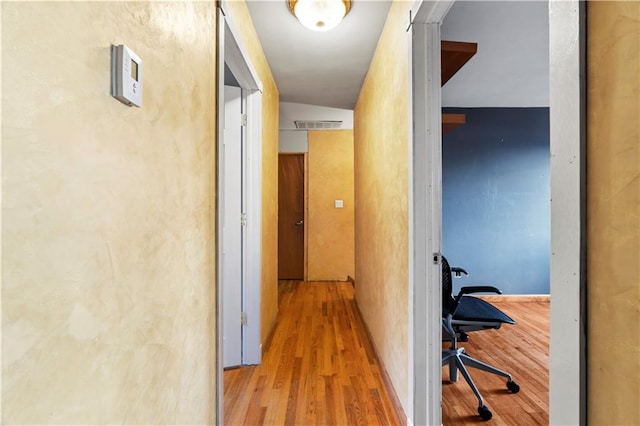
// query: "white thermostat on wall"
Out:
[126,75]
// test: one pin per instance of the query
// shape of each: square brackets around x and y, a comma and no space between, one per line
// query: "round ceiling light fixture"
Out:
[319,15]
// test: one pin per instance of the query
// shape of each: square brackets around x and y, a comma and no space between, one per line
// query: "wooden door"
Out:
[291,216]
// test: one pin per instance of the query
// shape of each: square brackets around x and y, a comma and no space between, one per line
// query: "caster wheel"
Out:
[513,387]
[484,413]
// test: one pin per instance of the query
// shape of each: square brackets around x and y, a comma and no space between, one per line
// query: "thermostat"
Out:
[126,75]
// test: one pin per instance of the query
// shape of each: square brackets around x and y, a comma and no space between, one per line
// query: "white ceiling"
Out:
[511,68]
[319,68]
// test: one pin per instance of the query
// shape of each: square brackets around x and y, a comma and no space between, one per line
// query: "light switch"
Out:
[339,204]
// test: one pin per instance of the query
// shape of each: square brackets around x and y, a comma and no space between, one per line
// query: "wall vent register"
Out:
[319,124]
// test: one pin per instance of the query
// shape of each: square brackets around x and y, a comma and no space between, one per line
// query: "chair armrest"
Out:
[479,289]
[474,289]
[457,272]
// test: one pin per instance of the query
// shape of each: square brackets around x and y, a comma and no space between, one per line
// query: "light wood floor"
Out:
[321,369]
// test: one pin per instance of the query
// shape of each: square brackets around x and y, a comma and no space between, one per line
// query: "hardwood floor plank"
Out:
[235,390]
[257,412]
[352,406]
[294,390]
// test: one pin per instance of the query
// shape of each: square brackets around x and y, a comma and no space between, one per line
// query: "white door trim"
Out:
[236,56]
[567,140]
[231,229]
[425,225]
[251,297]
[232,52]
[567,95]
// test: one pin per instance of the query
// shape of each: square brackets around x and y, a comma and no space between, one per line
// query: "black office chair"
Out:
[462,314]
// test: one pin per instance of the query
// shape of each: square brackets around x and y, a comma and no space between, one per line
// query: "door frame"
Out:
[232,233]
[230,50]
[567,357]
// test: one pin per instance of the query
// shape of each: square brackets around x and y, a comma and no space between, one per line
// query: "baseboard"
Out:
[514,297]
[395,401]
[337,280]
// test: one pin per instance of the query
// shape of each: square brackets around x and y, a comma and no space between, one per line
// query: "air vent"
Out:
[319,125]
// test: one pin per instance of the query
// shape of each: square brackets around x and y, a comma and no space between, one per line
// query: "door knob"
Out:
[299,223]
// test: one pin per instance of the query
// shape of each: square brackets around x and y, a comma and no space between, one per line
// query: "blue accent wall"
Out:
[496,198]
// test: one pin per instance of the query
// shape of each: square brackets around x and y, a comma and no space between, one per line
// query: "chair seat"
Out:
[474,309]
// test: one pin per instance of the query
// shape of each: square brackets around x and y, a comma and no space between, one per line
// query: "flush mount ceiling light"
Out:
[319,15]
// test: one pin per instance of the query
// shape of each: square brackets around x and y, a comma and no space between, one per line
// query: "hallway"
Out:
[320,367]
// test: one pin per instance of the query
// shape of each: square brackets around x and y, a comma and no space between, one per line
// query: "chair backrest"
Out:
[447,287]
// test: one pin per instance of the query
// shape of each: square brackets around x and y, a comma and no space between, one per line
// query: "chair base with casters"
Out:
[458,360]
[462,314]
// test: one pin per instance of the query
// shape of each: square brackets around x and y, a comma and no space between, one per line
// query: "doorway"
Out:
[567,347]
[239,224]
[495,196]
[291,216]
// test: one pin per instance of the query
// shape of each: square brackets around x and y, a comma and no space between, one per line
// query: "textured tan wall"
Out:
[330,244]
[108,222]
[381,127]
[270,98]
[613,212]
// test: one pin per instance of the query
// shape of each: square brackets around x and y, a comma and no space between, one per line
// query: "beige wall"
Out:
[381,126]
[330,244]
[239,12]
[613,212]
[108,221]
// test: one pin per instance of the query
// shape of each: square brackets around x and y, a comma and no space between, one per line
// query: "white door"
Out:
[231,209]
